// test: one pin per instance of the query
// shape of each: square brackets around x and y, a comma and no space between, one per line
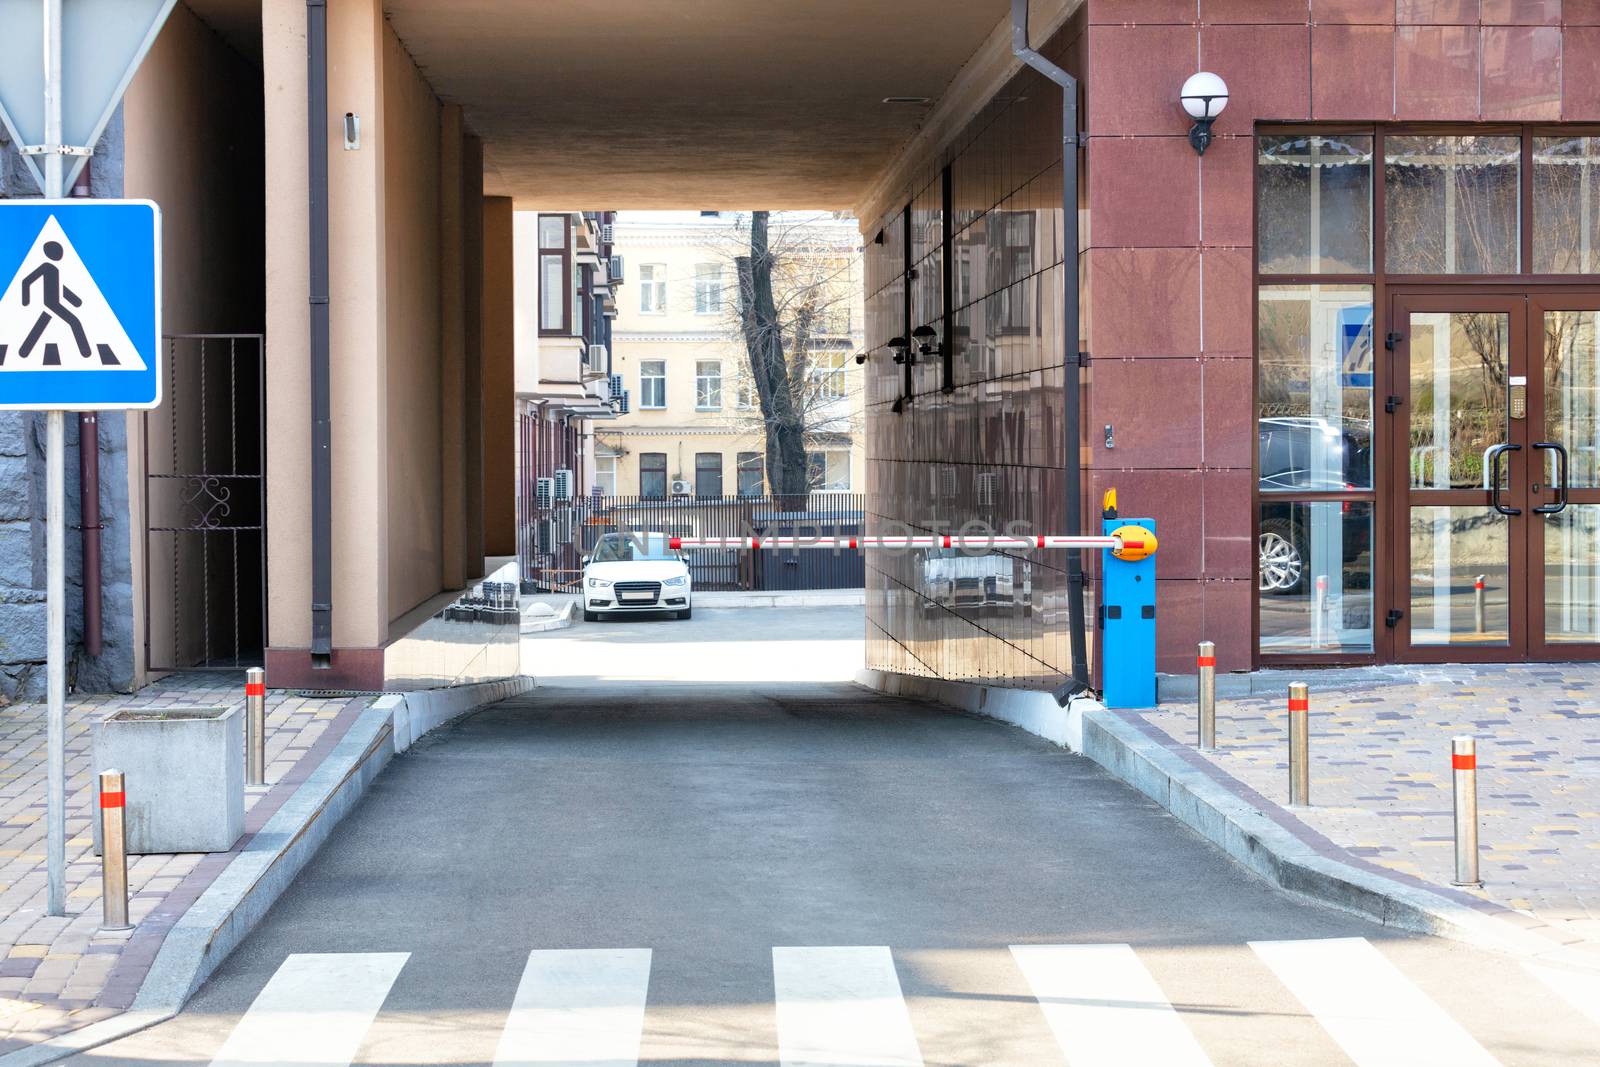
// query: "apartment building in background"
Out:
[566,273]
[693,425]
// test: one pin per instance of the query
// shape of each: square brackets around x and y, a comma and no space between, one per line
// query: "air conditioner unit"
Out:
[619,404]
[543,492]
[681,488]
[563,484]
[564,527]
[606,233]
[617,387]
[614,269]
[546,536]
[597,355]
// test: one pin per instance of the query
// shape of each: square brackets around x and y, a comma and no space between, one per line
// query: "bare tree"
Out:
[793,309]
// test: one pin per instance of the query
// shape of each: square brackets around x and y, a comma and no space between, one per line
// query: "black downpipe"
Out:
[321,391]
[1071,356]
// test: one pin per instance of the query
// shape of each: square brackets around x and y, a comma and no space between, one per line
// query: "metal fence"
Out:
[205,506]
[554,538]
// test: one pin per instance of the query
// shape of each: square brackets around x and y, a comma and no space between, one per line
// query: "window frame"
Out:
[711,287]
[564,257]
[647,467]
[656,284]
[644,379]
[701,465]
[745,463]
[700,384]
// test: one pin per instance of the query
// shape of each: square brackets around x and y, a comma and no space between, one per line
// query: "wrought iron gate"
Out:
[205,506]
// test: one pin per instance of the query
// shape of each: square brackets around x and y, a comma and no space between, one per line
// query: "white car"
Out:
[635,572]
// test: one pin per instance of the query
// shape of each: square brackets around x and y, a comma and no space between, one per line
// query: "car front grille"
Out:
[637,592]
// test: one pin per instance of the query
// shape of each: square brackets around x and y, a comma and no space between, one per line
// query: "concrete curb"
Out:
[1248,833]
[242,895]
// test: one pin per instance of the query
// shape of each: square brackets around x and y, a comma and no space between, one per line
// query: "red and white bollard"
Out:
[1299,745]
[1477,605]
[1206,663]
[1319,613]
[1464,772]
[255,726]
[113,852]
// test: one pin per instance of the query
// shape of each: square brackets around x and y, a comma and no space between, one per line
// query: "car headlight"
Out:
[599,583]
[682,579]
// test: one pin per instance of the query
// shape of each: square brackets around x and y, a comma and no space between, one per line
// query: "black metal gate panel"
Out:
[556,536]
[205,506]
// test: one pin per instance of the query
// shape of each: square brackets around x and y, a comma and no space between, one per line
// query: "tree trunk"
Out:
[781,412]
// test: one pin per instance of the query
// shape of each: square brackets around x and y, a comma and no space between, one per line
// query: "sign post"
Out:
[80,321]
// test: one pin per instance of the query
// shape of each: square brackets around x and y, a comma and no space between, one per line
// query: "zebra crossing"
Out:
[844,1005]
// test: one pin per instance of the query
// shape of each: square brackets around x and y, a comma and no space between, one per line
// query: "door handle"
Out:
[1561,479]
[1494,478]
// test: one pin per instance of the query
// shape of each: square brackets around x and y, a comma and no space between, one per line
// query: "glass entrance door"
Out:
[1497,469]
[1459,361]
[1564,546]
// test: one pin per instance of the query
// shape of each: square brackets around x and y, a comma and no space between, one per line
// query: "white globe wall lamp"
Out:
[1203,98]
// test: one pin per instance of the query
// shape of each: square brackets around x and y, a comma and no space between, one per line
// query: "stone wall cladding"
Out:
[22,508]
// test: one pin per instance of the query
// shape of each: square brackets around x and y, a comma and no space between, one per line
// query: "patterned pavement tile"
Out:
[1382,787]
[61,973]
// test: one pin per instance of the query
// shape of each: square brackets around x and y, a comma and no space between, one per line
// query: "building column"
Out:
[358,342]
[452,349]
[499,379]
[472,251]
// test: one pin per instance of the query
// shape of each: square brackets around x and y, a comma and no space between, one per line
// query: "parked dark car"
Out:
[1309,455]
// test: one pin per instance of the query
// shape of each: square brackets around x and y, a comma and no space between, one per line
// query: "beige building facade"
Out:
[694,426]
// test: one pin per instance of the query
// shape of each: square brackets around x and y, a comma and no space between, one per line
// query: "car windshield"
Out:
[623,548]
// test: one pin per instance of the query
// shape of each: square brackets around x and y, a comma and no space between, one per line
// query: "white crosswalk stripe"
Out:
[1105,1008]
[579,1008]
[315,1009]
[1578,988]
[841,1006]
[1368,1007]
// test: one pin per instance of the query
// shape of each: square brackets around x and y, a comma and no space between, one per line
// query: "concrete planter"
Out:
[184,769]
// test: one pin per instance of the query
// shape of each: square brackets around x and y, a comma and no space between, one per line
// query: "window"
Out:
[653,475]
[653,384]
[1314,204]
[708,475]
[652,288]
[745,394]
[707,288]
[827,372]
[752,473]
[555,292]
[1451,204]
[708,385]
[605,475]
[552,294]
[553,232]
[829,470]
[1314,390]
[1566,216]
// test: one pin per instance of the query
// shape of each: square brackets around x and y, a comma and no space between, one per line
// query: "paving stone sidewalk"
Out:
[1381,783]
[58,974]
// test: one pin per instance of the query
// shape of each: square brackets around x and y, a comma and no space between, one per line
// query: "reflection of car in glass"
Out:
[1309,455]
[635,572]
[953,579]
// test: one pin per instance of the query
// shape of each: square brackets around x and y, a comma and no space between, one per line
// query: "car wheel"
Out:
[685,613]
[591,616]
[1282,562]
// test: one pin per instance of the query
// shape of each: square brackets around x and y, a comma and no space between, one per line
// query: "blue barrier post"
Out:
[1128,615]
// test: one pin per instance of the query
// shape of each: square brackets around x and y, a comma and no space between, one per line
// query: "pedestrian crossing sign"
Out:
[80,307]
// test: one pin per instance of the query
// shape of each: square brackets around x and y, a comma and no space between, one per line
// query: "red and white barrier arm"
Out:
[925,541]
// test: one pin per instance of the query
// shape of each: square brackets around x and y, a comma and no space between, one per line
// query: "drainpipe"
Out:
[1072,358]
[321,393]
[89,495]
